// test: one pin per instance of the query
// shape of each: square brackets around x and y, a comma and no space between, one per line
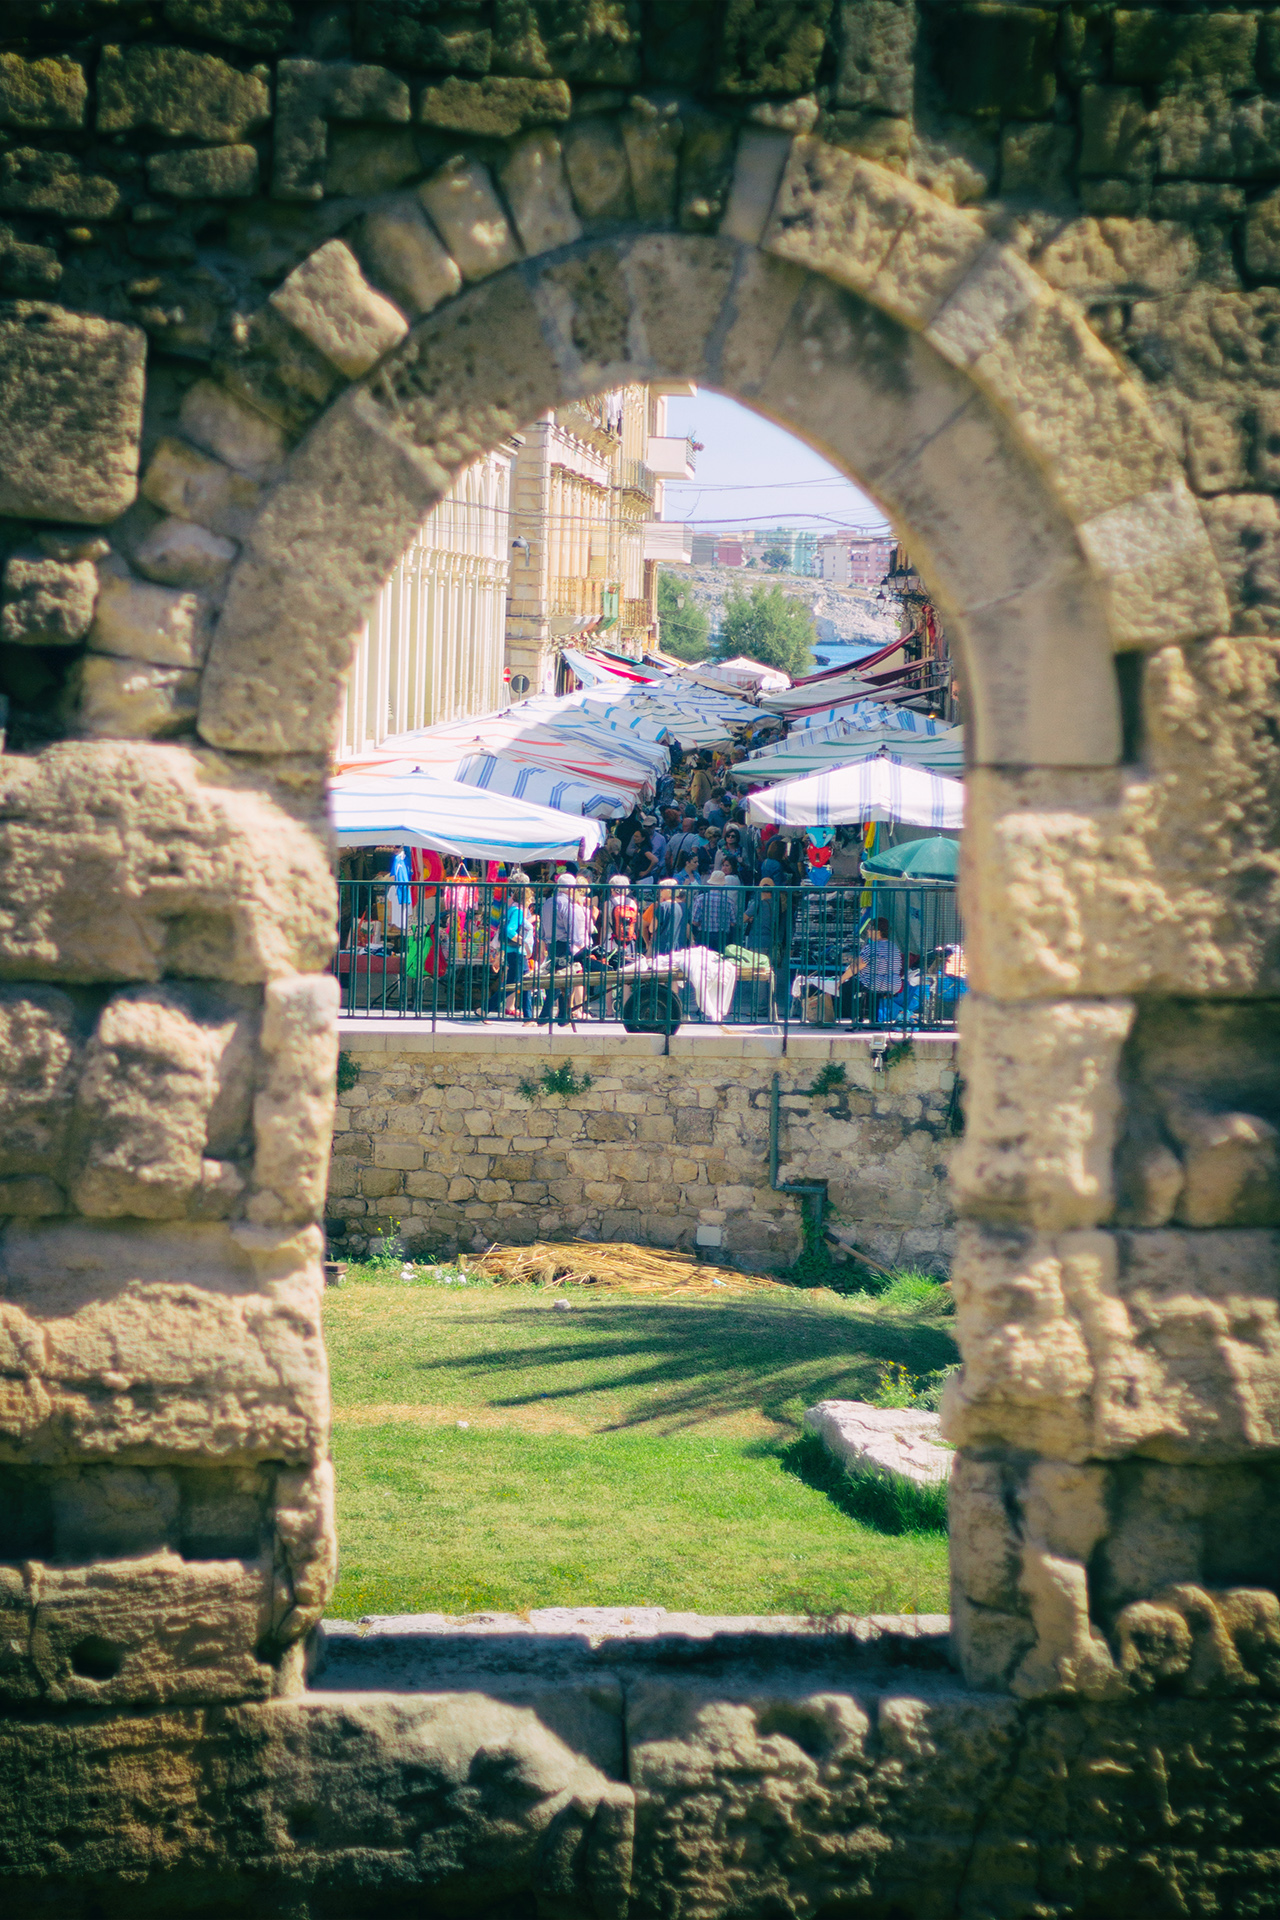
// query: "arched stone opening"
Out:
[1050,517]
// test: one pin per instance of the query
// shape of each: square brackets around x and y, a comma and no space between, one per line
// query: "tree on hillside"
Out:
[776,559]
[768,626]
[684,630]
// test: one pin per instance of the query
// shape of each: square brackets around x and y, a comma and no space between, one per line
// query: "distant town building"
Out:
[731,552]
[848,558]
[798,543]
[704,547]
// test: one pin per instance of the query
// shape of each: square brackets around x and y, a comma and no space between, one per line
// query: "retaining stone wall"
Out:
[668,1152]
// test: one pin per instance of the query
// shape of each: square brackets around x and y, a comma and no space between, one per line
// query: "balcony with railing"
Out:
[635,477]
[594,420]
[672,456]
[635,614]
[571,594]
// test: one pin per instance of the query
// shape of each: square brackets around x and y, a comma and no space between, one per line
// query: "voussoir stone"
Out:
[70,413]
[115,699]
[160,1340]
[331,303]
[129,861]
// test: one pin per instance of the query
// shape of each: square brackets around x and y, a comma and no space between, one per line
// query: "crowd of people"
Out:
[684,872]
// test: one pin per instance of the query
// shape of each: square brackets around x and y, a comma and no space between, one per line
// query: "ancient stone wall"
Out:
[670,1152]
[273,272]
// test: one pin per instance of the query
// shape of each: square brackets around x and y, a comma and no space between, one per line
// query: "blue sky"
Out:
[753,474]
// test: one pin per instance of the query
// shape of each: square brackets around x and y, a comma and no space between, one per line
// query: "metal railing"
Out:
[872,957]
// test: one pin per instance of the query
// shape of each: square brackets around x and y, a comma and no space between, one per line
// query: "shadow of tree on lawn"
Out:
[695,1362]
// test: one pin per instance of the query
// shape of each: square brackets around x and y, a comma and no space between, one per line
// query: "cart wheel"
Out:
[648,1008]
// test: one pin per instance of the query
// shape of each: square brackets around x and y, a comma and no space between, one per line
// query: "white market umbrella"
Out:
[880,788]
[422,810]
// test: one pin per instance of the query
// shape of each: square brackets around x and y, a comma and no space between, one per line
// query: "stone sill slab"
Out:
[372,1034]
[899,1443]
[410,1652]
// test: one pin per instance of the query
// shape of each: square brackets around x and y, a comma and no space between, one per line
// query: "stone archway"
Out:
[162,1254]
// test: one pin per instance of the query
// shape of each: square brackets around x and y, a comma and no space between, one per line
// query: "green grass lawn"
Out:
[638,1450]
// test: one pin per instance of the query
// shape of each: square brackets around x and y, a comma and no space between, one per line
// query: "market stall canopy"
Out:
[880,788]
[827,692]
[571,752]
[421,810]
[941,755]
[740,673]
[499,775]
[934,859]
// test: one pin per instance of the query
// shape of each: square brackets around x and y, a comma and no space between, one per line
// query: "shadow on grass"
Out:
[696,1360]
[890,1506]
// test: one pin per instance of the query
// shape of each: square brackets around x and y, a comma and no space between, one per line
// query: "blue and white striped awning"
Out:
[879,788]
[496,774]
[420,810]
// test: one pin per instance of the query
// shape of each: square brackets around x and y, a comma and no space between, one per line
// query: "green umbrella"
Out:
[937,858]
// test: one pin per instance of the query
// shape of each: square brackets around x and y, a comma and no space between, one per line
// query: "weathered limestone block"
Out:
[137,621]
[42,93]
[273,371]
[493,108]
[214,419]
[182,95]
[1155,564]
[70,413]
[331,304]
[1092,1344]
[1042,1108]
[307,1549]
[1158,880]
[152,1631]
[652,137]
[38,180]
[205,173]
[160,1341]
[877,52]
[1120,259]
[402,252]
[187,482]
[126,862]
[309,93]
[898,1443]
[599,175]
[536,187]
[112,699]
[871,231]
[178,553]
[162,1110]
[757,174]
[41,1052]
[293,1112]
[259,26]
[1200,1140]
[461,200]
[706,169]
[47,603]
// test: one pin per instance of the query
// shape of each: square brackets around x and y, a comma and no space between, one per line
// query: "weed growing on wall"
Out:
[830,1080]
[562,1080]
[348,1073]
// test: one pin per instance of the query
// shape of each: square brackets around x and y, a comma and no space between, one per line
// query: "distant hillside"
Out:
[844,616]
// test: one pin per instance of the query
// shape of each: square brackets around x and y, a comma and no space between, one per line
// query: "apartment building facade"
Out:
[434,648]
[848,558]
[587,532]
